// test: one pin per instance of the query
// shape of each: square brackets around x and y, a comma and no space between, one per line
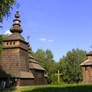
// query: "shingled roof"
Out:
[86,63]
[35,66]
[24,74]
[21,74]
[15,36]
[33,63]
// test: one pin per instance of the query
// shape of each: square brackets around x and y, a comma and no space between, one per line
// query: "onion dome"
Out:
[16,24]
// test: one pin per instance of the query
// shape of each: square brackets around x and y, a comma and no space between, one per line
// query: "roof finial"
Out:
[17,14]
[16,25]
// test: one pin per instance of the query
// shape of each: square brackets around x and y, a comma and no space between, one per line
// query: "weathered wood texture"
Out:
[17,60]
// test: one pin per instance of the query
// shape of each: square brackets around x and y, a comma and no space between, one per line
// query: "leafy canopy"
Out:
[70,65]
[5,6]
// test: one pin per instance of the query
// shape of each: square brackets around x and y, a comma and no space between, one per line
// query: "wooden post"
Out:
[18,83]
[58,74]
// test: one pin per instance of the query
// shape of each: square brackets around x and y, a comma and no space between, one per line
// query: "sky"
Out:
[58,25]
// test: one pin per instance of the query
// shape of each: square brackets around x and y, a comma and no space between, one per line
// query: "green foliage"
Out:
[5,6]
[52,88]
[53,78]
[9,90]
[1,42]
[49,55]
[70,66]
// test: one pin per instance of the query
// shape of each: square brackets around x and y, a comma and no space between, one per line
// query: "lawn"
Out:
[53,88]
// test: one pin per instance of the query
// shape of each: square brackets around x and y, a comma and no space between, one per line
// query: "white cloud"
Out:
[43,39]
[46,40]
[8,32]
[50,40]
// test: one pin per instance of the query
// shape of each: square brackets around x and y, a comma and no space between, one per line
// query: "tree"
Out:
[49,55]
[39,55]
[5,6]
[70,66]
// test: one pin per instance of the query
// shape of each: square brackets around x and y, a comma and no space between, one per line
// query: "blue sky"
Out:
[58,25]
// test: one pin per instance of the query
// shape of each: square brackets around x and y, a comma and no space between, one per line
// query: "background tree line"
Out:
[69,65]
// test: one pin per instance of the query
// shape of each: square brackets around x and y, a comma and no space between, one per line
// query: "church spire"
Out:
[16,24]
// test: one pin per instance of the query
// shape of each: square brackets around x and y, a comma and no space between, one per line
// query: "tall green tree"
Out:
[70,65]
[5,6]
[40,56]
[49,55]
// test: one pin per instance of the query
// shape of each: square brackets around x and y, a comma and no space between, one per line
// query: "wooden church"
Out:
[87,69]
[17,64]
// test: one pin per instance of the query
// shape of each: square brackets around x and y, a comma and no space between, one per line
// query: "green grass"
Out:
[8,90]
[54,88]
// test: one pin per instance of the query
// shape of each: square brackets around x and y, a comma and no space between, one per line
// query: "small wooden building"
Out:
[87,69]
[17,63]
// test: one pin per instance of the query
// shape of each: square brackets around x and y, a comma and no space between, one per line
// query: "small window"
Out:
[10,43]
[13,43]
[85,68]
[7,43]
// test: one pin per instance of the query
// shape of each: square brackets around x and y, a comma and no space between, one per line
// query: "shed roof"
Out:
[36,66]
[24,74]
[33,61]
[86,62]
[21,74]
[33,64]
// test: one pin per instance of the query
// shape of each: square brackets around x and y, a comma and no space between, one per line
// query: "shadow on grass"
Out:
[4,77]
[62,89]
[8,90]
